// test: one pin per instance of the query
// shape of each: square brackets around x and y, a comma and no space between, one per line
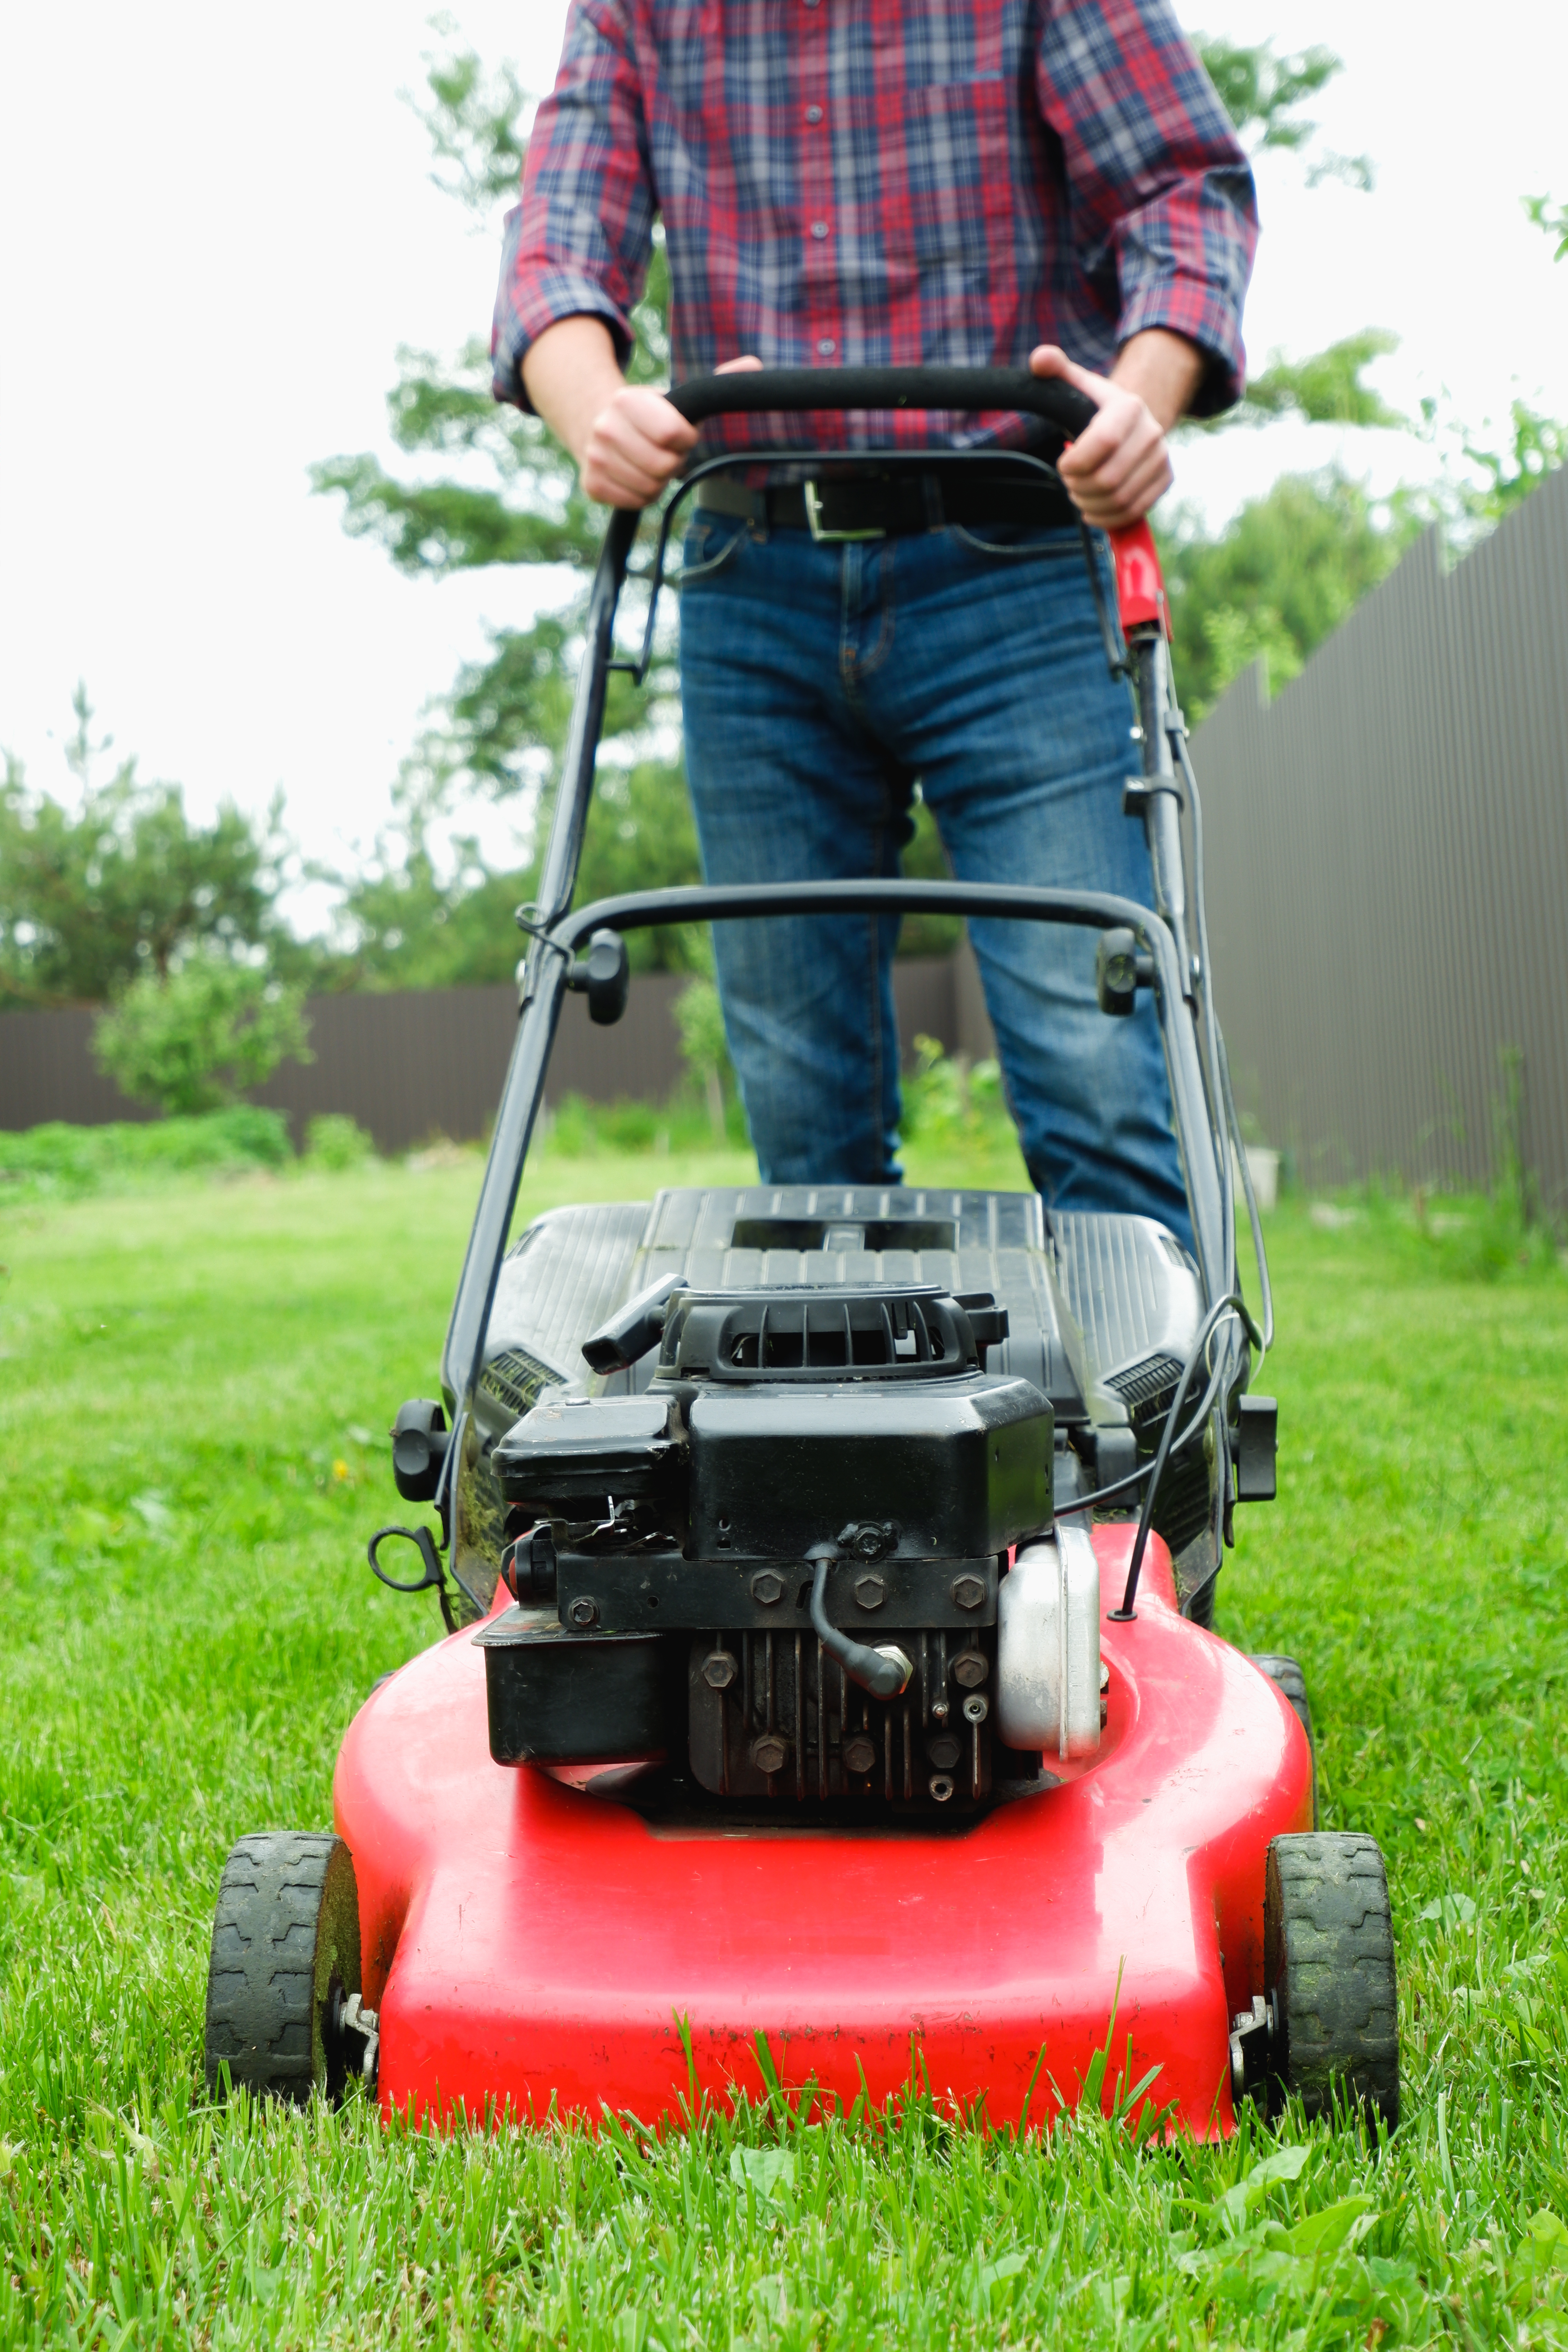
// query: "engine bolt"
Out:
[870,1592]
[766,1588]
[859,1753]
[968,1591]
[584,1611]
[940,1787]
[944,1750]
[719,1669]
[769,1752]
[976,1707]
[970,1669]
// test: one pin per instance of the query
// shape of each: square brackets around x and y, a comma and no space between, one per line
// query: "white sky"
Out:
[218,226]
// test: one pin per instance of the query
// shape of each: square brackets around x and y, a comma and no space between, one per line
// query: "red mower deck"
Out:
[533,1948]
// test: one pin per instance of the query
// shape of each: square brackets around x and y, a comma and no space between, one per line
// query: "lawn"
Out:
[194,1381]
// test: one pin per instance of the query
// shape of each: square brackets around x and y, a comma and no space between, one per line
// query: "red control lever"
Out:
[1140,582]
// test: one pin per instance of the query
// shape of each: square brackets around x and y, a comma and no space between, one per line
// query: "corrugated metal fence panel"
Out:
[1387,854]
[418,1063]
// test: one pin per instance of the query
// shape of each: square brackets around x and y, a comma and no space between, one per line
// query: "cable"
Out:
[1234,1303]
[1232,1123]
[1146,1470]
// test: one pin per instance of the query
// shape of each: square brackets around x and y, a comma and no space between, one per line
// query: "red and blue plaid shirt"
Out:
[848,183]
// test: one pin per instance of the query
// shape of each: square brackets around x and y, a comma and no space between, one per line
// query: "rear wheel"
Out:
[1327,1960]
[1287,1674]
[284,1975]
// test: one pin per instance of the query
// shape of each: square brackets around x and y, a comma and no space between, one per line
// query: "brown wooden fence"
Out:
[1388,851]
[414,1064]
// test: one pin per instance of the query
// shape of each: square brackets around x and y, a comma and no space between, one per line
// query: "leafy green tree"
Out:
[126,883]
[1263,94]
[1554,221]
[195,1037]
[1278,580]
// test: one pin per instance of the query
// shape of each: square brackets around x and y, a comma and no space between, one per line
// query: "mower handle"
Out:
[1140,590]
[832,390]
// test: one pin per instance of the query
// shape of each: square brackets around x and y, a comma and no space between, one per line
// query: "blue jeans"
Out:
[819,683]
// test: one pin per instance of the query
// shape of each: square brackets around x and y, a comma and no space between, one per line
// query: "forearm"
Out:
[1164,370]
[570,375]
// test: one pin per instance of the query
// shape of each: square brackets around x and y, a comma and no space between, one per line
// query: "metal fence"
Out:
[411,1065]
[1387,856]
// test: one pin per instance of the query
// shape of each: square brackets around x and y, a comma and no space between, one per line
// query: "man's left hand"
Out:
[1119,465]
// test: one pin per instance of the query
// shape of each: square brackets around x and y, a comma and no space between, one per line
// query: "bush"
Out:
[336,1142]
[59,1158]
[195,1038]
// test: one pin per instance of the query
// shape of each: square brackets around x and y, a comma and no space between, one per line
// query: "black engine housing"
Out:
[778,1421]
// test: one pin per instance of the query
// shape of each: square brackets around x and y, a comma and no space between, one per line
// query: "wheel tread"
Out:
[286,1913]
[1329,1960]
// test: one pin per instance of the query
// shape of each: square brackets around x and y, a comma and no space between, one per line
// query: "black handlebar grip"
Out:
[836,389]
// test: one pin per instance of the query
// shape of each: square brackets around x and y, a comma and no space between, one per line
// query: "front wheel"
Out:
[283,1980]
[1329,1973]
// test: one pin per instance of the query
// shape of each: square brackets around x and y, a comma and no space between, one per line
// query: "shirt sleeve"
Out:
[580,240]
[1164,212]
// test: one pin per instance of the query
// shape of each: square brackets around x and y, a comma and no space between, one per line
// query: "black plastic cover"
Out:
[961,1467]
[572,1452]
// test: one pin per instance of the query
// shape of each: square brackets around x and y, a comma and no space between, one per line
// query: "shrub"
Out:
[195,1039]
[57,1158]
[336,1142]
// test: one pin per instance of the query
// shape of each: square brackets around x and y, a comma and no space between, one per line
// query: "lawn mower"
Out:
[830,1699]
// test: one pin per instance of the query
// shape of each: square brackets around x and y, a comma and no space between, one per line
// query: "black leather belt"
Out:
[842,506]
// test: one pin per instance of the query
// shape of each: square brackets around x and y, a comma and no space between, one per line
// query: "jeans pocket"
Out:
[1018,542]
[710,542]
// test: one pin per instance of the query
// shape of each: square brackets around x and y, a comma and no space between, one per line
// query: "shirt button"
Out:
[819,228]
[814,113]
[826,347]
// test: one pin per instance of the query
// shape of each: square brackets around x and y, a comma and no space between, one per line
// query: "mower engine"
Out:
[813,1560]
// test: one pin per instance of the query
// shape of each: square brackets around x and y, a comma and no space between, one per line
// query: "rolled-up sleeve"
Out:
[1164,209]
[580,240]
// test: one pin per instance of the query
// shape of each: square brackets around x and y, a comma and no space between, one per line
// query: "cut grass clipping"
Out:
[194,1389]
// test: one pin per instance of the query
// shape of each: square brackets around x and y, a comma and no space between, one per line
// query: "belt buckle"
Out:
[819,531]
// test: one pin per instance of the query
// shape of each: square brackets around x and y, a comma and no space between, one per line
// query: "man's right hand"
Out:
[629,441]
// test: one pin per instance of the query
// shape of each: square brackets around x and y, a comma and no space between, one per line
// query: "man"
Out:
[859,182]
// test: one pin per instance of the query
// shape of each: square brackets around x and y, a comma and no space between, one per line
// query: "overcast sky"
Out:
[218,227]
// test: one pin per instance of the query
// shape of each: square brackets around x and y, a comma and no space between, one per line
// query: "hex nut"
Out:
[584,1611]
[943,1749]
[720,1669]
[770,1752]
[859,1752]
[968,1591]
[767,1587]
[870,1592]
[970,1669]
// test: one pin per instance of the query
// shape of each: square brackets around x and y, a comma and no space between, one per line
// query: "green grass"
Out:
[192,1389]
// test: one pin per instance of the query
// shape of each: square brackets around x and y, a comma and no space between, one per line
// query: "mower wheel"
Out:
[1328,1962]
[1288,1675]
[285,1965]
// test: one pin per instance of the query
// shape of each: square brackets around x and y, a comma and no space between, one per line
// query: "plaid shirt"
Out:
[857,181]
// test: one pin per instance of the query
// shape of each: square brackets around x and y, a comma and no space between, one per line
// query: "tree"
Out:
[1278,580]
[194,1038]
[126,883]
[1263,94]
[1554,222]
